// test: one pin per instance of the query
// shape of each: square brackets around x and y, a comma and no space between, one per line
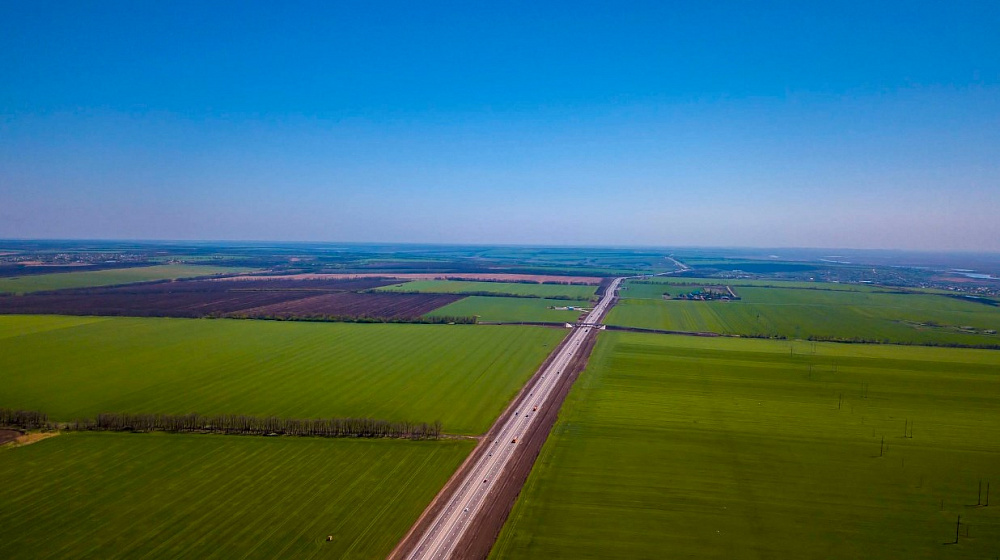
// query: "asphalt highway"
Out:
[448,528]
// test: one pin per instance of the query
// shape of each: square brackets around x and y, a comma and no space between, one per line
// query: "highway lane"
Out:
[448,528]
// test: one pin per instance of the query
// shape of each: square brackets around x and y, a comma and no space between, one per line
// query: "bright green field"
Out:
[513,310]
[682,447]
[653,287]
[801,313]
[63,280]
[136,496]
[502,288]
[73,367]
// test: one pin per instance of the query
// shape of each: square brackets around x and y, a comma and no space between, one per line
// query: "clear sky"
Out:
[861,125]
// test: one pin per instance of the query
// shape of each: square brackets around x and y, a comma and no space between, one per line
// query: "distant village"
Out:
[706,293]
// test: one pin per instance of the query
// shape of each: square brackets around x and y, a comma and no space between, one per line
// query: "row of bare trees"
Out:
[229,424]
[24,419]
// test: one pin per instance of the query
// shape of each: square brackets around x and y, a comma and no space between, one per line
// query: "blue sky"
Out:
[861,125]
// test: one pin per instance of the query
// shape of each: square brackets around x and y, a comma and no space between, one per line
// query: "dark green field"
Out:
[685,447]
[868,314]
[135,496]
[73,367]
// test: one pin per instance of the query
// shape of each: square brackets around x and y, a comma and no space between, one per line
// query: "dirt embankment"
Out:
[7,436]
[17,439]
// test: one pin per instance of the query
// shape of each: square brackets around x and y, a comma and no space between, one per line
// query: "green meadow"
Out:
[498,288]
[74,367]
[513,310]
[683,447]
[873,315]
[136,496]
[112,277]
[654,287]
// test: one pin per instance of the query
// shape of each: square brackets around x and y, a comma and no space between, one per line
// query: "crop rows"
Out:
[460,375]
[273,298]
[66,280]
[729,448]
[513,310]
[376,305]
[552,291]
[109,496]
[817,314]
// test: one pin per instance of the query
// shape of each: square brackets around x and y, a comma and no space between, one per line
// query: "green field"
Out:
[499,288]
[687,447]
[92,279]
[803,313]
[135,496]
[512,310]
[462,375]
[652,287]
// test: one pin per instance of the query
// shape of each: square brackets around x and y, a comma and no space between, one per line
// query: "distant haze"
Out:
[862,125]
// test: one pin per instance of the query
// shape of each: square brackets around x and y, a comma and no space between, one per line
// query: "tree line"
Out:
[228,424]
[24,419]
[322,318]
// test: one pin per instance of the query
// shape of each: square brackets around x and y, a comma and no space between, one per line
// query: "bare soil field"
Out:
[195,298]
[350,304]
[480,277]
[151,304]
[262,283]
[7,436]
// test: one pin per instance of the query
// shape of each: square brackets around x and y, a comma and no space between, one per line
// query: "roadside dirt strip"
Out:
[465,518]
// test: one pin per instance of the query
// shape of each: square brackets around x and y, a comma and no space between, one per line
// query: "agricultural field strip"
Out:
[386,305]
[731,448]
[657,283]
[460,375]
[470,277]
[513,309]
[691,281]
[575,292]
[449,526]
[108,277]
[912,318]
[203,298]
[137,496]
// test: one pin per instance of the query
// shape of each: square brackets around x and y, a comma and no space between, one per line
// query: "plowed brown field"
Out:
[499,277]
[348,304]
